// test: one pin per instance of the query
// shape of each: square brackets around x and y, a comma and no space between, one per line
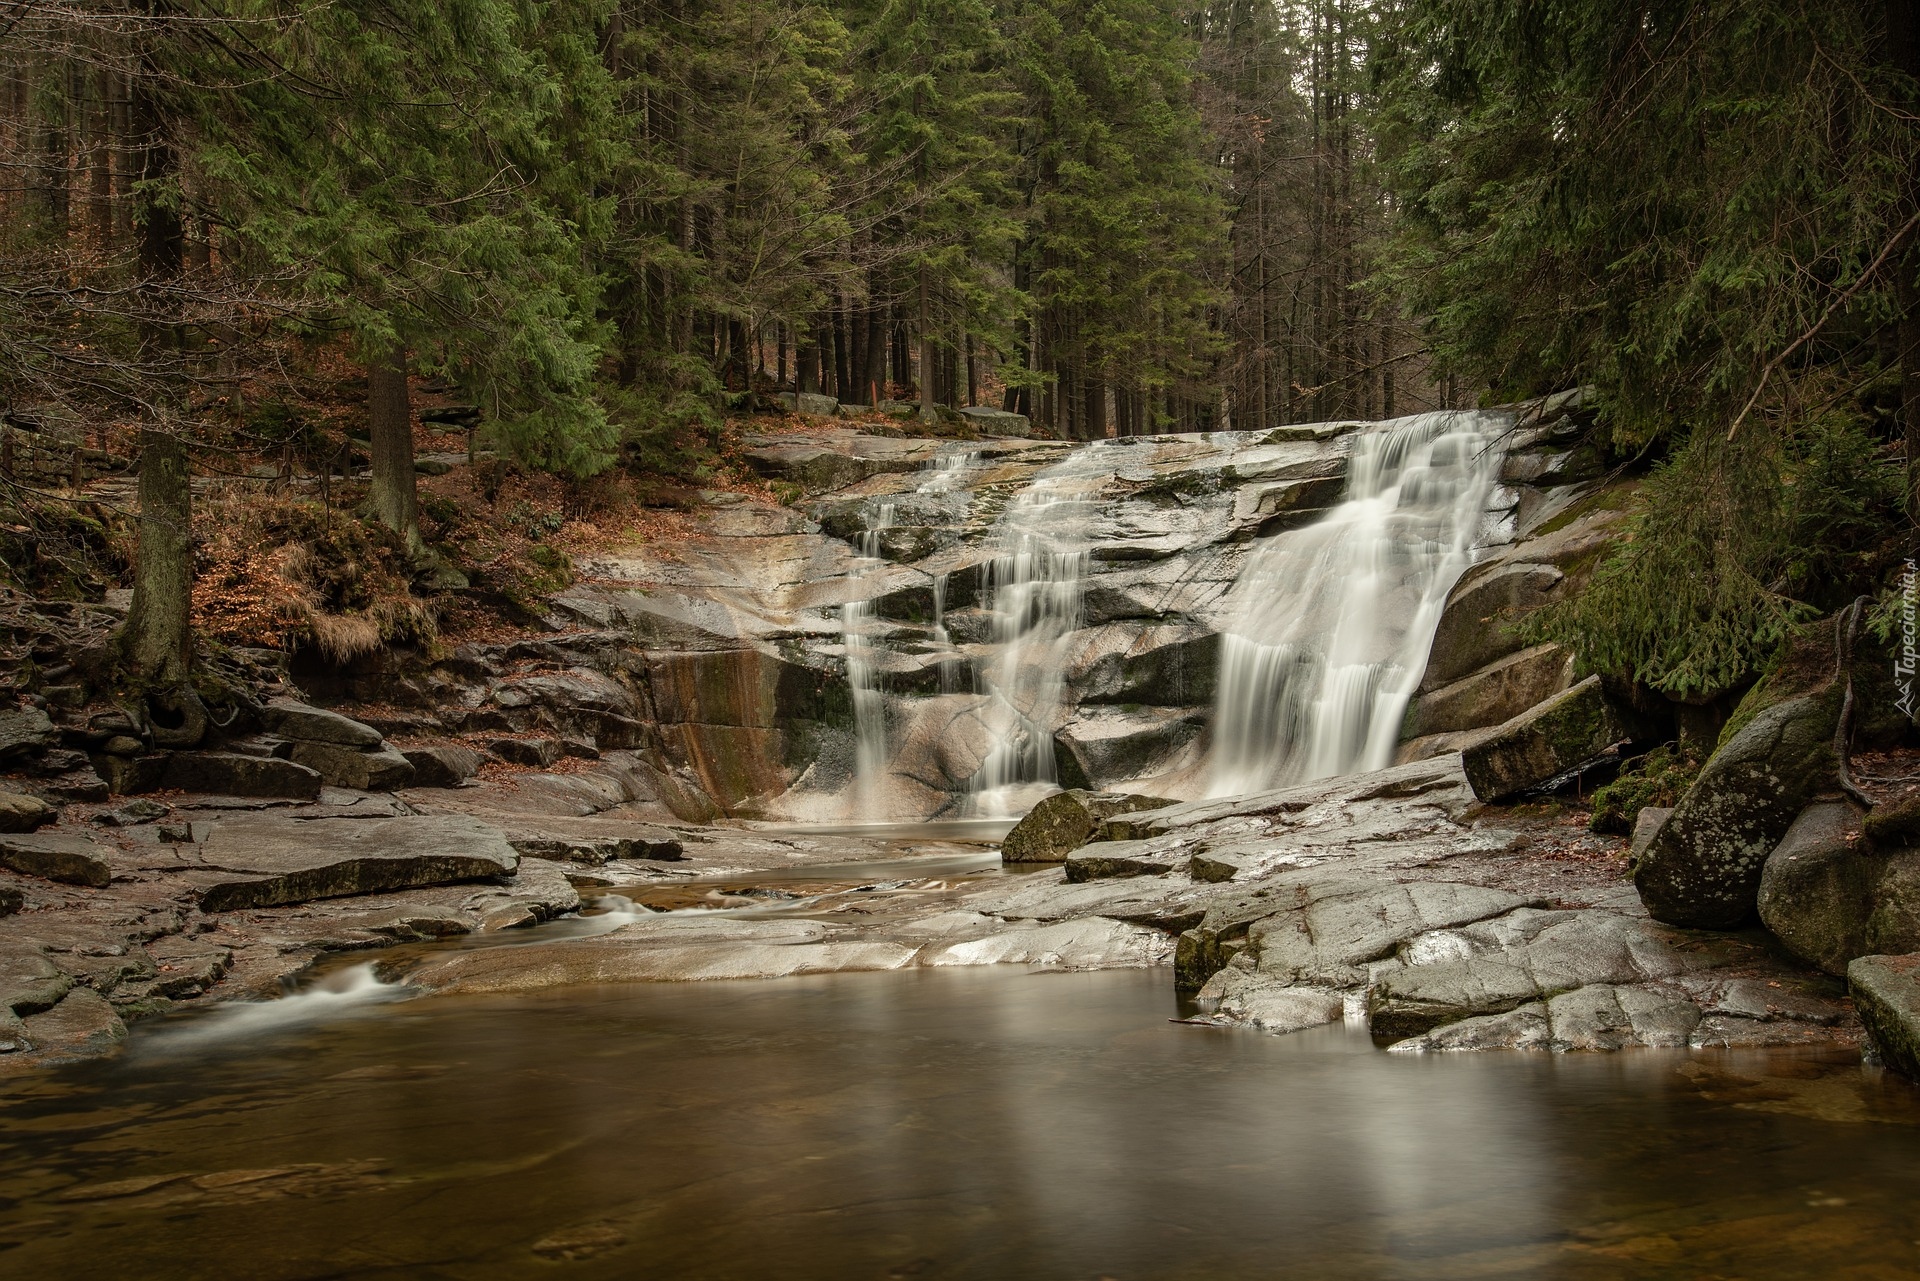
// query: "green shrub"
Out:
[1658,778]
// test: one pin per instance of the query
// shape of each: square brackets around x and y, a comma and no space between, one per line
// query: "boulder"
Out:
[808,402]
[1886,991]
[441,764]
[1895,823]
[1645,825]
[25,732]
[1831,896]
[289,719]
[997,422]
[82,1025]
[1106,745]
[30,982]
[127,775]
[1065,821]
[652,844]
[537,753]
[132,814]
[272,861]
[233,774]
[1702,869]
[20,813]
[71,860]
[1566,731]
[1493,695]
[1108,860]
[384,770]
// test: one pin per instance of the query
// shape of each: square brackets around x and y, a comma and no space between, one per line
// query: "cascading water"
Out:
[1035,585]
[1331,624]
[861,629]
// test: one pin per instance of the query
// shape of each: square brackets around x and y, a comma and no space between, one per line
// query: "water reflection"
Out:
[980,1124]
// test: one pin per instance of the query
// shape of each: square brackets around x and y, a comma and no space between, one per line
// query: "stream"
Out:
[985,1123]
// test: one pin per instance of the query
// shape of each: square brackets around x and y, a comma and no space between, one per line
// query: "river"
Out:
[950,1124]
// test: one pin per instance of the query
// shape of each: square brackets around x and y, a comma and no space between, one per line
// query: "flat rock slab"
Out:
[275,861]
[1886,990]
[71,860]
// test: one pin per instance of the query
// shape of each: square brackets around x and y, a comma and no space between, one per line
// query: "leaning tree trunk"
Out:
[390,427]
[156,641]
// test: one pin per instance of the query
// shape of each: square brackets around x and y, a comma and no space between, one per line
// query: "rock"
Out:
[441,764]
[539,753]
[1702,869]
[25,732]
[1645,824]
[997,422]
[1493,695]
[288,860]
[654,845]
[1252,1000]
[175,833]
[132,814]
[130,775]
[1831,895]
[384,770]
[81,784]
[83,1025]
[808,402]
[1896,823]
[1104,860]
[232,774]
[122,745]
[11,900]
[1477,625]
[1063,822]
[1102,746]
[71,860]
[29,982]
[290,719]
[1214,868]
[1886,991]
[21,813]
[1541,744]
[1338,924]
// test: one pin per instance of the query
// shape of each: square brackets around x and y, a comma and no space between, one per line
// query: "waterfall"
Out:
[861,629]
[1330,625]
[1034,585]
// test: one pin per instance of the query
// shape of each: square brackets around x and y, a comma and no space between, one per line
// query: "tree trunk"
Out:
[1903,50]
[156,641]
[927,414]
[390,427]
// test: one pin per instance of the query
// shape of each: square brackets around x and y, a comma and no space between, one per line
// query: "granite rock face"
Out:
[1831,894]
[234,774]
[262,862]
[286,718]
[1545,742]
[441,764]
[1065,821]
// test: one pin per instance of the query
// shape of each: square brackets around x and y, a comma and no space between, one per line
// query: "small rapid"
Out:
[1329,626]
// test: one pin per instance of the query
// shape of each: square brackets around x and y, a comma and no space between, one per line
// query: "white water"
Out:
[1330,625]
[1035,585]
[861,630]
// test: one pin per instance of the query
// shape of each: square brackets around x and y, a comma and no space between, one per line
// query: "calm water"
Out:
[984,1124]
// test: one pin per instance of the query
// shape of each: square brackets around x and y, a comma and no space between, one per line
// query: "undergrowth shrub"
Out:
[1658,778]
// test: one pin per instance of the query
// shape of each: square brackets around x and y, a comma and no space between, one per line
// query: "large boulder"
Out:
[1065,821]
[234,774]
[25,732]
[290,719]
[1886,991]
[1493,695]
[381,770]
[1831,895]
[1106,745]
[1545,742]
[270,861]
[441,764]
[1703,868]
[1477,625]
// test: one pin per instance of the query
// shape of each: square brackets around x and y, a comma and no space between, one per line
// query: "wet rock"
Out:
[30,982]
[1567,730]
[1103,746]
[1831,895]
[233,774]
[1063,822]
[83,1025]
[1108,860]
[1332,926]
[289,719]
[1886,991]
[1084,944]
[441,764]
[1213,868]
[187,965]
[1493,695]
[1258,1001]
[21,813]
[25,732]
[384,770]
[13,1033]
[271,861]
[651,845]
[71,860]
[1702,869]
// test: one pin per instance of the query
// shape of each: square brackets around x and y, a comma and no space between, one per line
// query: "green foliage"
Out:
[1660,777]
[1730,545]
